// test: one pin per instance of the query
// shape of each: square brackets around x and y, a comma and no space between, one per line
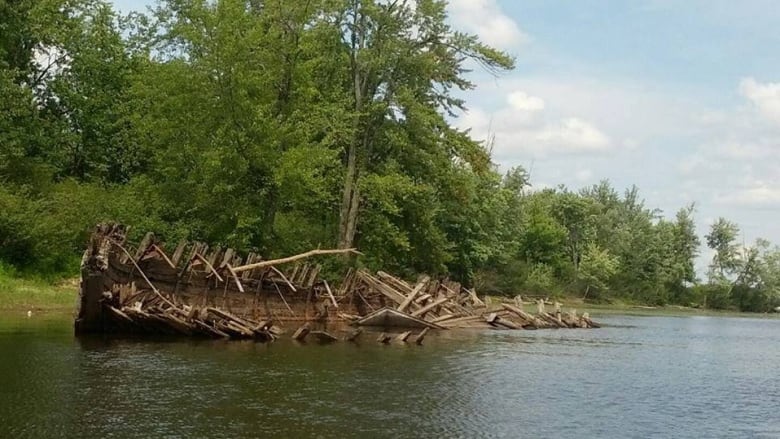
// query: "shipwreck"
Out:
[191,289]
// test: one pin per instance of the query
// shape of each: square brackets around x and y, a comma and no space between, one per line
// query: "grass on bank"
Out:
[34,294]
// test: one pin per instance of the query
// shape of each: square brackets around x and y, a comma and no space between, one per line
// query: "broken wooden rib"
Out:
[389,317]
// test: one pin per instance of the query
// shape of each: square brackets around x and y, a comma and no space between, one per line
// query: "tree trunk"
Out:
[350,201]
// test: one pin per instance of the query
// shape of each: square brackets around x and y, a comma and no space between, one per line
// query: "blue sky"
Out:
[681,98]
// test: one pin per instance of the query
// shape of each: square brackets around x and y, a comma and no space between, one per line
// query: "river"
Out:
[639,377]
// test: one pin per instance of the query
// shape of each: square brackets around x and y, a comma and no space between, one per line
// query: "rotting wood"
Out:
[180,298]
[301,333]
[384,338]
[330,294]
[401,338]
[284,278]
[294,258]
[506,323]
[417,289]
[421,336]
[235,277]
[323,336]
[353,335]
[199,257]
[430,306]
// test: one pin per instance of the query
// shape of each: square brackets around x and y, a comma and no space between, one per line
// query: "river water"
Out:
[640,377]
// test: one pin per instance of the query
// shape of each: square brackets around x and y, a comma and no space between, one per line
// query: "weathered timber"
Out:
[417,289]
[218,293]
[288,259]
[389,317]
[384,338]
[301,333]
[353,335]
[323,336]
[421,336]
[430,306]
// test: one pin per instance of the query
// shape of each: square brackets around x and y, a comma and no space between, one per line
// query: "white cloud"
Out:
[486,19]
[765,96]
[583,175]
[573,134]
[525,129]
[761,195]
[734,166]
[520,100]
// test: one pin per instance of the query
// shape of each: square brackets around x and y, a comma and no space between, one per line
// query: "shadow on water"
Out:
[637,377]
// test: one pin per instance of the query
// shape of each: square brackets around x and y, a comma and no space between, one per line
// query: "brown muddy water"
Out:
[640,377]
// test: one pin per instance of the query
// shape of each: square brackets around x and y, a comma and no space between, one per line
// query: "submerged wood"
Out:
[389,317]
[323,336]
[421,336]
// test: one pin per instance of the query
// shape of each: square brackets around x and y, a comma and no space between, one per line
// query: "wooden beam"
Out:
[330,293]
[199,257]
[284,278]
[417,289]
[421,336]
[420,312]
[235,277]
[307,254]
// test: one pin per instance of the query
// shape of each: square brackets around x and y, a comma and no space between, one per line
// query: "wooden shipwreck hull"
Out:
[191,289]
[119,280]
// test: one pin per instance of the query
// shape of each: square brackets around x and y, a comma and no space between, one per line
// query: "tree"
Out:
[722,240]
[403,62]
[597,268]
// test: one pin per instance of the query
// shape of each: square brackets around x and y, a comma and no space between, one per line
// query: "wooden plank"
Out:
[445,317]
[422,298]
[227,258]
[421,336]
[162,254]
[384,338]
[417,289]
[301,333]
[210,267]
[235,277]
[330,293]
[313,276]
[524,315]
[308,254]
[143,245]
[506,323]
[284,278]
[382,288]
[179,252]
[120,315]
[420,312]
[353,335]
[250,258]
[394,282]
[389,317]
[460,320]
[323,337]
[401,338]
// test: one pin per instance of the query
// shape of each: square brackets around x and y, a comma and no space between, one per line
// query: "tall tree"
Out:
[722,239]
[404,60]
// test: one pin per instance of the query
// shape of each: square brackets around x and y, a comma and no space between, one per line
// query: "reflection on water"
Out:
[639,377]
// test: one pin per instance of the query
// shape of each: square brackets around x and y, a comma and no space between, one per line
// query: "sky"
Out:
[678,97]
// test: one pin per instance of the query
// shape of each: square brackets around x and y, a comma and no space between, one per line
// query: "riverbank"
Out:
[629,309]
[29,294]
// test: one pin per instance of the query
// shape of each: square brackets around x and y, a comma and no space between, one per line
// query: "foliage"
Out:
[277,126]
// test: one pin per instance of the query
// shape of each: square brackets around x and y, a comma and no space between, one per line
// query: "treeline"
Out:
[281,126]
